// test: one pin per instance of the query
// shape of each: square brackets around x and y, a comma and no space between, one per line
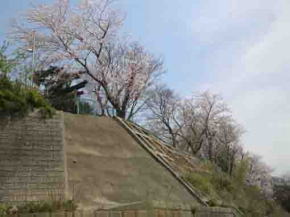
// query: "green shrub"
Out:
[16,100]
[201,182]
[40,207]
[47,206]
[222,182]
[3,210]
[69,205]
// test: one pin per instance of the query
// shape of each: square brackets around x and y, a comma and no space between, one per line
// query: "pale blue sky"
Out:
[238,48]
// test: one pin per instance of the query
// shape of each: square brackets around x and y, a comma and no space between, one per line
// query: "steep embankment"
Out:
[106,167]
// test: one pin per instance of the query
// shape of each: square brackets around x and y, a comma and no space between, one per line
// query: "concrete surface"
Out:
[93,161]
[31,159]
[106,167]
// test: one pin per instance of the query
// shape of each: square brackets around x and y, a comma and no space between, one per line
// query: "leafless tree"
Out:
[228,145]
[163,105]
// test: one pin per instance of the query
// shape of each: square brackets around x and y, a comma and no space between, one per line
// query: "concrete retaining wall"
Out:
[31,159]
[216,212]
[201,212]
[108,168]
[105,167]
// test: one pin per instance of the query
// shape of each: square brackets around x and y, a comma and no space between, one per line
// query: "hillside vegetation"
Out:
[232,191]
[16,99]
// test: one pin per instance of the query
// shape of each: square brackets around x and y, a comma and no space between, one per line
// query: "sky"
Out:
[236,48]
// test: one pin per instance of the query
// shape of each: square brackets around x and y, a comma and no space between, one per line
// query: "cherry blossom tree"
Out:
[194,124]
[126,72]
[259,174]
[200,118]
[60,33]
[87,37]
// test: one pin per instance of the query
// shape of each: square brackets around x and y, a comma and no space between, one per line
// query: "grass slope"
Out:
[231,191]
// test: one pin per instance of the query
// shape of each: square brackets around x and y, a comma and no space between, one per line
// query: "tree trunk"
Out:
[121,113]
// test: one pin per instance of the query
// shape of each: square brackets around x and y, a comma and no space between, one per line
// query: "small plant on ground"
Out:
[39,207]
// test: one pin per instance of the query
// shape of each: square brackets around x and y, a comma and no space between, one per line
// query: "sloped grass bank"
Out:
[232,191]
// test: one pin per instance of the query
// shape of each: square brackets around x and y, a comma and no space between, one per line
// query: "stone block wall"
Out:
[31,159]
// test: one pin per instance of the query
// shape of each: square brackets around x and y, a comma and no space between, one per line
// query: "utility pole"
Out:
[33,58]
[32,50]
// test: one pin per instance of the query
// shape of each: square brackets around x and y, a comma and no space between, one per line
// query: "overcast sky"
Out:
[238,48]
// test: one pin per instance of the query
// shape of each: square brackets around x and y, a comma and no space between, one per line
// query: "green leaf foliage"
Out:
[17,100]
[56,83]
